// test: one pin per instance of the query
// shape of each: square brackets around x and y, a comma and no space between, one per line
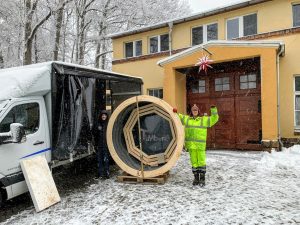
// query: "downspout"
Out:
[170,24]
[280,52]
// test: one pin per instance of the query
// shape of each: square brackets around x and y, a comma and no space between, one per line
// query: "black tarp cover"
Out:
[78,95]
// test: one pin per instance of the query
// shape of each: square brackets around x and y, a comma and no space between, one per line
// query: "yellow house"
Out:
[255,74]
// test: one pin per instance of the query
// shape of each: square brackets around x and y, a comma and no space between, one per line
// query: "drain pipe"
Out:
[170,24]
[280,52]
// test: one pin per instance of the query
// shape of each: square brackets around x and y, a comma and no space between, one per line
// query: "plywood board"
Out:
[40,182]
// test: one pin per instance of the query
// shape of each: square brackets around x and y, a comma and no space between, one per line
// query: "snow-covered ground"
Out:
[242,188]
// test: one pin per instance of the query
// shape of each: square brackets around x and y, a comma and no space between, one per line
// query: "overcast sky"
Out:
[204,5]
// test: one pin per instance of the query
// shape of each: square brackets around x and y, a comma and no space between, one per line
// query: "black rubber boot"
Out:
[202,179]
[196,178]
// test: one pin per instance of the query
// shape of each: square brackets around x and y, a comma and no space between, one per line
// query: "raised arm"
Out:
[214,116]
[183,118]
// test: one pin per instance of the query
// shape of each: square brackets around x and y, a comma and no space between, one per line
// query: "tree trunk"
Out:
[102,29]
[1,60]
[103,57]
[81,40]
[36,57]
[58,25]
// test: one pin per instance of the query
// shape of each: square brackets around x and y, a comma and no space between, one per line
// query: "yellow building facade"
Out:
[255,79]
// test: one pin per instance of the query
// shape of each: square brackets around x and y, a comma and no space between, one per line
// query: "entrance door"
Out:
[248,111]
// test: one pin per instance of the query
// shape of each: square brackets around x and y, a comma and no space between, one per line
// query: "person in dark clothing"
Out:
[102,149]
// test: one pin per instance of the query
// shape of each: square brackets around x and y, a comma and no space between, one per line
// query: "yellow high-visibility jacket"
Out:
[196,129]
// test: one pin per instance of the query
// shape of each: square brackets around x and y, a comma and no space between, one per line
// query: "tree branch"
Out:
[50,13]
[103,53]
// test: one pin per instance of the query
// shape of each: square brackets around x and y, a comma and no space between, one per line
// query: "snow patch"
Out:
[288,158]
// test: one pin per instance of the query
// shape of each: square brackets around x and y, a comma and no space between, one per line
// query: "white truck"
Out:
[49,109]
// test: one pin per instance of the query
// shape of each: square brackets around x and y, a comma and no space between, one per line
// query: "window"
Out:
[159,43]
[164,42]
[204,33]
[297,102]
[222,84]
[212,32]
[197,35]
[156,92]
[296,15]
[250,24]
[233,28]
[248,81]
[138,48]
[198,87]
[129,49]
[242,26]
[26,114]
[133,49]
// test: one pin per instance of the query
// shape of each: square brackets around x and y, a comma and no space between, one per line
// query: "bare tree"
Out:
[74,30]
[31,29]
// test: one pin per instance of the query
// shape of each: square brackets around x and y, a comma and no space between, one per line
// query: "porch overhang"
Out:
[279,45]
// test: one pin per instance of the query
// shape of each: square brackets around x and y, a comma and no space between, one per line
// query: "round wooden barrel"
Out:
[145,137]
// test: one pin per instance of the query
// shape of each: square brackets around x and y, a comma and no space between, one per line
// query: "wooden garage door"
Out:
[236,93]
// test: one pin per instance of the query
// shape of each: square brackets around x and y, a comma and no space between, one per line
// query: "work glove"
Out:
[174,110]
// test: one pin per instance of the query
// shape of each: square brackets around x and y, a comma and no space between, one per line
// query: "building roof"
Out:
[187,52]
[195,16]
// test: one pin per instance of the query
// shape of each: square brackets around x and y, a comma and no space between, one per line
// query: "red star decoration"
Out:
[203,63]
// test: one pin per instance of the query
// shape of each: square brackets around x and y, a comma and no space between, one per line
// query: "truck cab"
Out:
[30,112]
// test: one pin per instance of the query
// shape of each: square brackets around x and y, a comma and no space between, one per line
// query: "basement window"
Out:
[222,84]
[156,92]
[198,87]
[159,43]
[133,49]
[296,15]
[248,81]
[204,33]
[241,26]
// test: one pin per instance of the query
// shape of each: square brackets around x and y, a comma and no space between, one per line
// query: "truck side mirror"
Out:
[17,132]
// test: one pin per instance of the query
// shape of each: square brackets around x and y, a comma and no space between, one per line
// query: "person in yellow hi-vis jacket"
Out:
[195,139]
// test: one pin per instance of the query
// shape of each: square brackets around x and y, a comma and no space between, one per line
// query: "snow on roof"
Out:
[25,81]
[35,79]
[194,16]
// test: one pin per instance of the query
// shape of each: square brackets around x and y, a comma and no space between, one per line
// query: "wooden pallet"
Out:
[127,178]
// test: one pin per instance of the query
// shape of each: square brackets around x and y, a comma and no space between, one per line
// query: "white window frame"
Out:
[296,93]
[158,44]
[154,89]
[134,48]
[241,24]
[204,31]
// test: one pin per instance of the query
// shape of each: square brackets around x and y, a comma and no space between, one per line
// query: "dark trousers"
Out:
[103,161]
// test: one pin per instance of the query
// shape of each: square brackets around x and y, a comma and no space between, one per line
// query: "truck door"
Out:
[31,114]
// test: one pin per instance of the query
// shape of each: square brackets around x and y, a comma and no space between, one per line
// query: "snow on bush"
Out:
[288,158]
